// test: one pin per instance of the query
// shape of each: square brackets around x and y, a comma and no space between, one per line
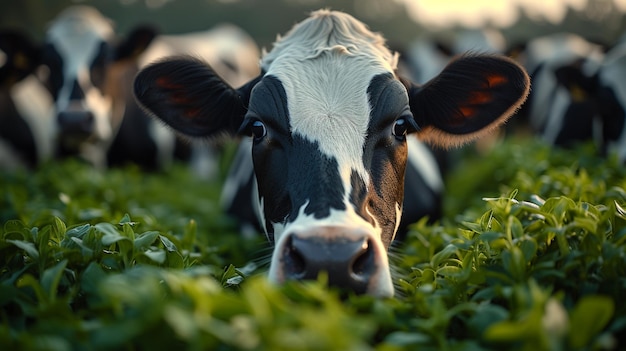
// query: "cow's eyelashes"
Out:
[258,130]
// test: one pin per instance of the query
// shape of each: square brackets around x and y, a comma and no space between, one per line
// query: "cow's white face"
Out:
[329,121]
[77,53]
[328,107]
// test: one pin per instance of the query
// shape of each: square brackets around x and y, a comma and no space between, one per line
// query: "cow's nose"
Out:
[76,122]
[349,262]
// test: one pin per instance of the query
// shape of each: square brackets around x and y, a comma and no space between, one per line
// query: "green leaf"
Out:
[514,228]
[27,280]
[50,279]
[111,235]
[590,315]
[59,227]
[92,277]
[175,260]
[157,256]
[78,231]
[14,225]
[144,240]
[619,210]
[443,255]
[400,338]
[168,244]
[86,252]
[29,248]
[529,249]
[126,220]
[128,231]
[514,263]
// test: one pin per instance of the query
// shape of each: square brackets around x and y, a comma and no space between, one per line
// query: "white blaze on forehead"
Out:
[326,64]
[76,34]
[330,107]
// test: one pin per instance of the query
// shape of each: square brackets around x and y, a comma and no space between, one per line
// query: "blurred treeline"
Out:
[600,21]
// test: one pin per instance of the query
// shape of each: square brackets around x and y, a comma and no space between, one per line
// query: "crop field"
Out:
[530,255]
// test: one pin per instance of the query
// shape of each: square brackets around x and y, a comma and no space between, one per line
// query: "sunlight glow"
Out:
[497,13]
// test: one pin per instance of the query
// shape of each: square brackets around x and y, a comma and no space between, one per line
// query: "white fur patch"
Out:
[34,104]
[421,159]
[326,64]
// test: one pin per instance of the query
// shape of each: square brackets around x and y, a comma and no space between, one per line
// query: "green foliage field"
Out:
[531,255]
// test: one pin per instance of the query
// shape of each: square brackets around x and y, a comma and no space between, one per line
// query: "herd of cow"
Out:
[330,170]
[71,95]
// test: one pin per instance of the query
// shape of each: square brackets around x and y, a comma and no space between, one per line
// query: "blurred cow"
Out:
[26,123]
[79,50]
[230,51]
[595,103]
[428,54]
[558,110]
[90,74]
[329,121]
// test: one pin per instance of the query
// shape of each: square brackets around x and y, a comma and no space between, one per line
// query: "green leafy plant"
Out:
[530,255]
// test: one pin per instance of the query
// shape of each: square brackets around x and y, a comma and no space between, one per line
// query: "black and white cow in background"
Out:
[26,123]
[329,121]
[558,108]
[594,104]
[227,48]
[91,73]
[78,51]
[87,78]
[429,53]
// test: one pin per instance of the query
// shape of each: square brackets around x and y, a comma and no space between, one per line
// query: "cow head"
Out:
[79,51]
[329,120]
[590,104]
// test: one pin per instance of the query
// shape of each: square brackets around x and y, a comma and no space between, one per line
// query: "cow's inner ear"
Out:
[190,97]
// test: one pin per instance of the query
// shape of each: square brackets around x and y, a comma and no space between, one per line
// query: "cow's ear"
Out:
[135,43]
[22,56]
[472,96]
[190,97]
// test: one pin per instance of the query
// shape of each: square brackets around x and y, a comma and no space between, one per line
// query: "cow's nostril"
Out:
[294,260]
[363,262]
[349,262]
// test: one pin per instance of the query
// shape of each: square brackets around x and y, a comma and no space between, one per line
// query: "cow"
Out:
[26,125]
[423,191]
[328,120]
[86,75]
[91,72]
[552,112]
[227,48]
[593,104]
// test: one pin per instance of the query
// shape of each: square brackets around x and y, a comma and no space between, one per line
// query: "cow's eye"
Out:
[258,130]
[400,128]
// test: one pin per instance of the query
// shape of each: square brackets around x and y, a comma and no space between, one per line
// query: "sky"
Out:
[499,13]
